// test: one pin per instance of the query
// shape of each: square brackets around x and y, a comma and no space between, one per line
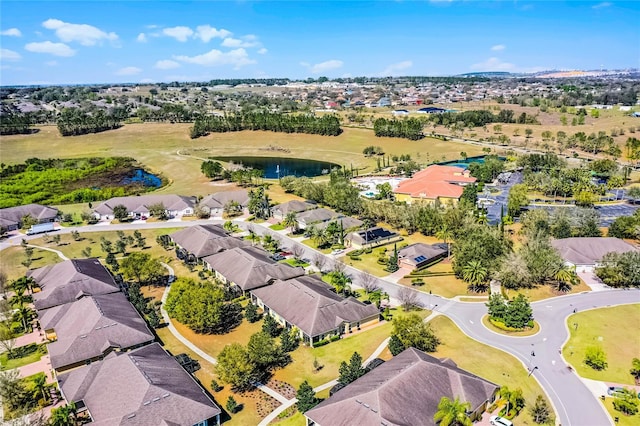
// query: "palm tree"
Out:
[253,237]
[340,282]
[39,386]
[475,274]
[565,277]
[452,413]
[377,296]
[291,221]
[64,416]
[445,235]
[513,398]
[24,315]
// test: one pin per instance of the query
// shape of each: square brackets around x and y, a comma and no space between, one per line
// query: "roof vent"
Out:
[366,405]
[130,416]
[157,398]
[166,395]
[358,401]
[146,403]
[83,336]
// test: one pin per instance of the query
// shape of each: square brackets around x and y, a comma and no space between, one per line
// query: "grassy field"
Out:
[487,362]
[616,331]
[623,419]
[330,356]
[11,258]
[167,149]
[546,291]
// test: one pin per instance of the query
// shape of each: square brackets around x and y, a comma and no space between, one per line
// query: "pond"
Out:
[275,167]
[143,177]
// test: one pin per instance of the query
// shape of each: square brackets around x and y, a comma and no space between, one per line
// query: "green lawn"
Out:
[310,243]
[277,227]
[369,262]
[32,354]
[623,419]
[616,330]
[444,285]
[485,361]
[11,258]
[294,262]
[331,355]
[546,291]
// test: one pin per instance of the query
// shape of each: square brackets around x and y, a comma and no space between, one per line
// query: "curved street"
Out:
[574,403]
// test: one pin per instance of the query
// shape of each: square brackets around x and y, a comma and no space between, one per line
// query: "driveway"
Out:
[592,280]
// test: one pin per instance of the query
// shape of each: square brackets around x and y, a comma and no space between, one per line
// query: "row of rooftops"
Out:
[128,379]
[305,301]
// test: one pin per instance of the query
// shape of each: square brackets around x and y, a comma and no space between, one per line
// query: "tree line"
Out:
[15,124]
[410,128]
[74,122]
[338,193]
[327,125]
[479,118]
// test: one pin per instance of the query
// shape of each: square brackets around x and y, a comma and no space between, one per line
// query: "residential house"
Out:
[11,217]
[310,217]
[417,255]
[281,210]
[405,390]
[205,240]
[347,222]
[213,204]
[370,237]
[312,306]
[88,329]
[248,268]
[435,183]
[143,387]
[400,113]
[585,253]
[139,206]
[70,280]
[431,110]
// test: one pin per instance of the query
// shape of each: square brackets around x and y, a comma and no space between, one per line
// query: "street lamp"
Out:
[532,370]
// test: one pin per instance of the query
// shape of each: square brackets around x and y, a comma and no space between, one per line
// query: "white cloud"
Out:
[602,5]
[321,67]
[56,49]
[179,33]
[498,47]
[51,63]
[86,35]
[147,80]
[245,41]
[11,32]
[128,71]
[9,55]
[214,57]
[207,32]
[142,38]
[493,64]
[394,69]
[166,64]
[262,51]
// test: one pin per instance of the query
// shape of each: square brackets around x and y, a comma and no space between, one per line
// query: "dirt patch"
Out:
[284,389]
[264,403]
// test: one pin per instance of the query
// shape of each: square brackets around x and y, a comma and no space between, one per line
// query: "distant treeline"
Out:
[15,124]
[327,125]
[63,181]
[73,122]
[410,128]
[478,118]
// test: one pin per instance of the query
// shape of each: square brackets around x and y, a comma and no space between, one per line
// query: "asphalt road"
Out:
[573,401]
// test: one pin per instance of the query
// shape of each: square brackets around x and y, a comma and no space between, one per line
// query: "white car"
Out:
[500,421]
[337,252]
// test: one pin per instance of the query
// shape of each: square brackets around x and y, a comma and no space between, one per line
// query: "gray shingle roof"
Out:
[37,211]
[348,222]
[250,267]
[205,240]
[89,327]
[310,304]
[70,280]
[418,253]
[219,199]
[589,250]
[405,390]
[143,387]
[141,203]
[317,215]
[295,206]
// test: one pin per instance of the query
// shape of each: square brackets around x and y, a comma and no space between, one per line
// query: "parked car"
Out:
[337,252]
[278,257]
[500,421]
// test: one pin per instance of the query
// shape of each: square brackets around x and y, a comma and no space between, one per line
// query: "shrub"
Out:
[216,386]
[596,358]
[626,402]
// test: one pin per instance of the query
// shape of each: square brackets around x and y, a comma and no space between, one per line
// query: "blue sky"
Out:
[52,42]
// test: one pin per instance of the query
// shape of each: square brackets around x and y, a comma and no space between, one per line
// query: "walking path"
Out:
[194,348]
[58,252]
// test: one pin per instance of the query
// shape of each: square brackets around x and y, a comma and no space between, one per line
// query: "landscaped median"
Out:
[500,328]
